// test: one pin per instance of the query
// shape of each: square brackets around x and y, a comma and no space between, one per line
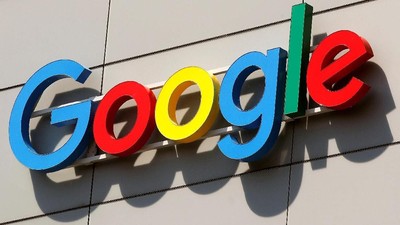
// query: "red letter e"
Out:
[324,70]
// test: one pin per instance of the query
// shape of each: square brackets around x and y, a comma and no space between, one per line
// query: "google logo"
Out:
[284,94]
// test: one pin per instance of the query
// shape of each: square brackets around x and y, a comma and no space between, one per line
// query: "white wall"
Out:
[336,168]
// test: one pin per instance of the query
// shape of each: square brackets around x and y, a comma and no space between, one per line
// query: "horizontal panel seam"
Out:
[230,34]
[210,39]
[363,149]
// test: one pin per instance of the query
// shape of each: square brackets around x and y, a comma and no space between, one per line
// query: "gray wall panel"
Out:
[35,33]
[28,193]
[208,55]
[194,183]
[70,217]
[355,191]
[327,5]
[374,120]
[255,198]
[169,168]
[137,28]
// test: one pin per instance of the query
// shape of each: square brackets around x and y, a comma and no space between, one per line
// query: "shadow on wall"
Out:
[359,128]
[143,179]
[68,187]
[152,173]
[266,189]
[364,125]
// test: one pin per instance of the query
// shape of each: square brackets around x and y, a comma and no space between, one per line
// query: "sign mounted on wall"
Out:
[284,94]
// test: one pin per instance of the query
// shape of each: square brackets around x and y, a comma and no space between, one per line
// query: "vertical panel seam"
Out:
[203,40]
[204,181]
[101,92]
[105,46]
[290,172]
[91,194]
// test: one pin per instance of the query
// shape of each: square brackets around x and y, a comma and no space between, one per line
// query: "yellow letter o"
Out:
[168,99]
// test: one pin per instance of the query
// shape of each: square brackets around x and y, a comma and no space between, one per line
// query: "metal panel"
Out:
[208,55]
[321,5]
[167,168]
[140,27]
[373,121]
[28,193]
[36,33]
[73,217]
[353,189]
[256,198]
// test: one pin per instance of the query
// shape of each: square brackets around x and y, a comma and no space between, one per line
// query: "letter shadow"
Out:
[68,188]
[153,173]
[265,182]
[144,178]
[363,126]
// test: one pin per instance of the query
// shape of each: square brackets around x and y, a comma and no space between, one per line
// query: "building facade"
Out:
[334,168]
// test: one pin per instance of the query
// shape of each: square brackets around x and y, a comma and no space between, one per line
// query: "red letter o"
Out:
[104,119]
